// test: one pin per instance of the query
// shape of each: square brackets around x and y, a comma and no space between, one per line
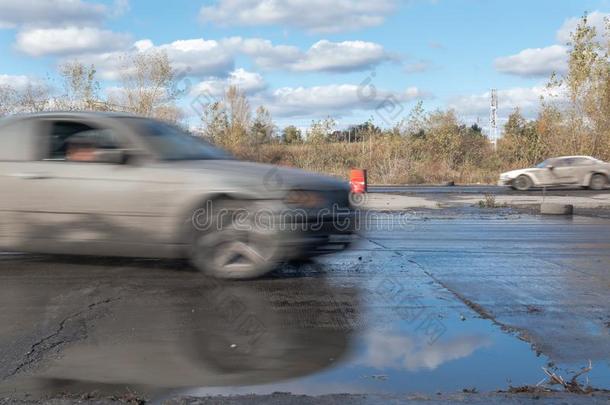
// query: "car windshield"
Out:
[543,164]
[172,143]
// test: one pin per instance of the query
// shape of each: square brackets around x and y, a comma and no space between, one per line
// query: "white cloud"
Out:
[534,61]
[323,56]
[262,51]
[386,351]
[205,58]
[18,82]
[194,57]
[543,61]
[248,82]
[526,98]
[594,19]
[14,13]
[336,100]
[341,56]
[199,57]
[68,40]
[311,15]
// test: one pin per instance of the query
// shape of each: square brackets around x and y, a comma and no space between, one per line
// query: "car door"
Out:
[583,168]
[564,171]
[71,204]
[17,150]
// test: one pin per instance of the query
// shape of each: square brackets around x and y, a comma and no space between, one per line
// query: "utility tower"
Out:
[493,118]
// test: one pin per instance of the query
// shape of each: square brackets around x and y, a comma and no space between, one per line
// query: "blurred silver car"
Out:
[582,171]
[120,185]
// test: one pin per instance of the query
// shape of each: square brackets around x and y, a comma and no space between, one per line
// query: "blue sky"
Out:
[307,59]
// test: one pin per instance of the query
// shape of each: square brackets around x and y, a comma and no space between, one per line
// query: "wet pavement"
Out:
[426,302]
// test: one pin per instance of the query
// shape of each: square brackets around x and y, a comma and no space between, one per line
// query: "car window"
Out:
[564,162]
[171,143]
[583,162]
[75,141]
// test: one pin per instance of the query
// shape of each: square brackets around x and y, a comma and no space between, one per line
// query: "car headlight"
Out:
[305,199]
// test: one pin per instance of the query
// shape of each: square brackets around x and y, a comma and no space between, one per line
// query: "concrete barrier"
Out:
[556,209]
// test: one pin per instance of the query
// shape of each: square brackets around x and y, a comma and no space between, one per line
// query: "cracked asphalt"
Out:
[428,302]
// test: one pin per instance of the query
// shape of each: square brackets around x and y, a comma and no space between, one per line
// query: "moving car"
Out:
[121,185]
[583,171]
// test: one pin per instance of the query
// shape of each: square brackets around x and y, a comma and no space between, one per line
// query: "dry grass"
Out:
[388,161]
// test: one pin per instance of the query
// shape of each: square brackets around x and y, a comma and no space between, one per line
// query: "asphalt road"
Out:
[423,304]
[483,189]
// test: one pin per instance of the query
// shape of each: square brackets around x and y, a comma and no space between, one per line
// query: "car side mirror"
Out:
[550,167]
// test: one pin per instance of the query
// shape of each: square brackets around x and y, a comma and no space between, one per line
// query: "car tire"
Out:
[230,248]
[522,183]
[598,182]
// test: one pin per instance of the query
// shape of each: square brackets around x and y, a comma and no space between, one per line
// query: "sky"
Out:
[351,60]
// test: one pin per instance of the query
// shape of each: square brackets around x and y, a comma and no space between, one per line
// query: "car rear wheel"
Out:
[522,183]
[598,182]
[231,247]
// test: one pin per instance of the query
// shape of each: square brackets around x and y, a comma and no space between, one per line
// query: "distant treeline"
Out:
[423,147]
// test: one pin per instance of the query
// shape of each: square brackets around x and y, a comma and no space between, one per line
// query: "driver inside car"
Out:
[81,149]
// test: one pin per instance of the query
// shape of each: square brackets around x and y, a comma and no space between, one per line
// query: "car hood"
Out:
[513,174]
[259,176]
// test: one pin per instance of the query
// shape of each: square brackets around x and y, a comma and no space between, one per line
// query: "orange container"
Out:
[357,181]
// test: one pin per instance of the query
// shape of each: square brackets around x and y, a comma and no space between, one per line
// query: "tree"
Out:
[585,120]
[522,143]
[476,129]
[8,100]
[415,123]
[215,123]
[148,86]
[34,98]
[227,121]
[320,130]
[442,135]
[80,87]
[291,135]
[262,129]
[356,133]
[239,115]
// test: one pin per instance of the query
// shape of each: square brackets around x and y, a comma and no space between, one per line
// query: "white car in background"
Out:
[581,171]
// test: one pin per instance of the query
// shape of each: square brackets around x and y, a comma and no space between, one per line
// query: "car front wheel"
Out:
[522,183]
[598,182]
[232,247]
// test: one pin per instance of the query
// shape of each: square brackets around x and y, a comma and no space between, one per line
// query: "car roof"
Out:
[72,114]
[576,157]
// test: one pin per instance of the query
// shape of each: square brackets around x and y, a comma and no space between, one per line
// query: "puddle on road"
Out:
[306,335]
[433,354]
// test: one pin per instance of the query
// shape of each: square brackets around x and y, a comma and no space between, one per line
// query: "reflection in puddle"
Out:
[384,351]
[393,356]
[108,327]
[94,328]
